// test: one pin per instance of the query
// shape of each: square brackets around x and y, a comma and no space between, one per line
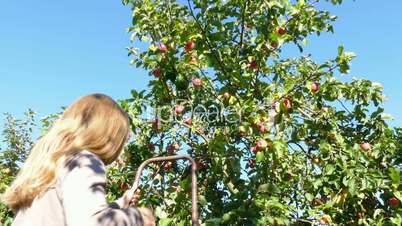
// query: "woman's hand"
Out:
[147,216]
[129,198]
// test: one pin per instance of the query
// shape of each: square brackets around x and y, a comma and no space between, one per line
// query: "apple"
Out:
[252,163]
[193,60]
[162,48]
[394,202]
[261,144]
[188,121]
[287,103]
[324,220]
[179,109]
[365,146]
[315,86]
[197,82]
[317,202]
[253,65]
[274,44]
[226,95]
[157,72]
[254,149]
[173,148]
[316,160]
[124,186]
[190,45]
[151,146]
[200,164]
[168,165]
[280,30]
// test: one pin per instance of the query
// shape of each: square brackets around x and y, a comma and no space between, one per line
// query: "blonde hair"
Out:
[95,123]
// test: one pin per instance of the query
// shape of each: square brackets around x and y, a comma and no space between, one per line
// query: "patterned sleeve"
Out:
[83,192]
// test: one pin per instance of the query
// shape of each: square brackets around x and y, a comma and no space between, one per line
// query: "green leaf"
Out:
[165,222]
[395,176]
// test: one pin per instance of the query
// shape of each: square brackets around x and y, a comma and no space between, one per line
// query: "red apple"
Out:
[190,45]
[252,163]
[162,48]
[197,82]
[124,186]
[287,103]
[394,202]
[151,147]
[280,30]
[317,202]
[179,109]
[324,220]
[173,148]
[315,86]
[261,144]
[274,44]
[253,65]
[200,164]
[157,72]
[365,146]
[168,165]
[188,121]
[254,149]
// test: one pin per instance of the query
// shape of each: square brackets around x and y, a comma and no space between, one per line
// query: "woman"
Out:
[62,182]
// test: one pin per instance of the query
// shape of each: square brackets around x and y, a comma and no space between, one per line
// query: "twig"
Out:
[242,25]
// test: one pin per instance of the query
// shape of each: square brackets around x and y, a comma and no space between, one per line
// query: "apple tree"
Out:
[16,144]
[277,140]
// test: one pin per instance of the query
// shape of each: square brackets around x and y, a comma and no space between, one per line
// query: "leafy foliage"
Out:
[18,136]
[17,141]
[280,141]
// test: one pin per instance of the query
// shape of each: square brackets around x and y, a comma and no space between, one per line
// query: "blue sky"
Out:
[53,52]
